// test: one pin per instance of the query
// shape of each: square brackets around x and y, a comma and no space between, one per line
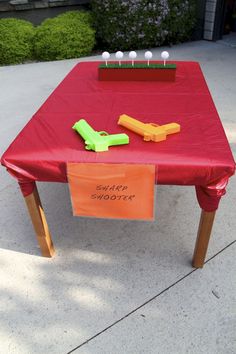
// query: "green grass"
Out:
[136,66]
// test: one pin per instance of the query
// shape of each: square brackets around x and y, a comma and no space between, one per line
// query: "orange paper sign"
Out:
[123,191]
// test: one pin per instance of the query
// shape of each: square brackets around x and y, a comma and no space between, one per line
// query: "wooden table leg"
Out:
[203,236]
[39,223]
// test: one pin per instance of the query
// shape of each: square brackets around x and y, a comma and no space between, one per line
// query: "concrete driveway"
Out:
[116,287]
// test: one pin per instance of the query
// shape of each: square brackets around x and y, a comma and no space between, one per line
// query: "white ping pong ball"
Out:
[105,55]
[119,55]
[132,54]
[148,55]
[165,55]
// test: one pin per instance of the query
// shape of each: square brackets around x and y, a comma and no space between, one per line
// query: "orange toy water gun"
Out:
[149,131]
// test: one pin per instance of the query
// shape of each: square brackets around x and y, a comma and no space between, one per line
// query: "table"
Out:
[199,156]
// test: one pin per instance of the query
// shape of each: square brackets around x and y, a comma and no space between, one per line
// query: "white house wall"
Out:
[209,19]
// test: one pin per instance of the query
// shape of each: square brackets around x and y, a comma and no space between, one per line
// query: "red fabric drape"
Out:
[199,155]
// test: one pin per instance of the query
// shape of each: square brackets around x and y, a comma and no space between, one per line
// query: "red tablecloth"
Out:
[200,155]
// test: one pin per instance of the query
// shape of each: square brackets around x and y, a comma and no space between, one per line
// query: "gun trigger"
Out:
[88,145]
[146,137]
[103,133]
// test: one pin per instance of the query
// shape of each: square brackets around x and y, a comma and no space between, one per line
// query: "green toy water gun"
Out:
[98,141]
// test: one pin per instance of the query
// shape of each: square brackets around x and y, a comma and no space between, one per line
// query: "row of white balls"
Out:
[132,55]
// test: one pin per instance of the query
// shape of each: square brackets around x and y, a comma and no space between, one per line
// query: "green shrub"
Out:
[129,24]
[181,20]
[69,35]
[137,24]
[15,41]
[83,16]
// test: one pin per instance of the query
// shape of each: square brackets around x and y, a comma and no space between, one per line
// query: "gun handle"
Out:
[132,124]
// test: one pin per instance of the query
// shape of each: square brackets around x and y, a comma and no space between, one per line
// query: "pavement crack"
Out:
[150,300]
[223,249]
[131,312]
